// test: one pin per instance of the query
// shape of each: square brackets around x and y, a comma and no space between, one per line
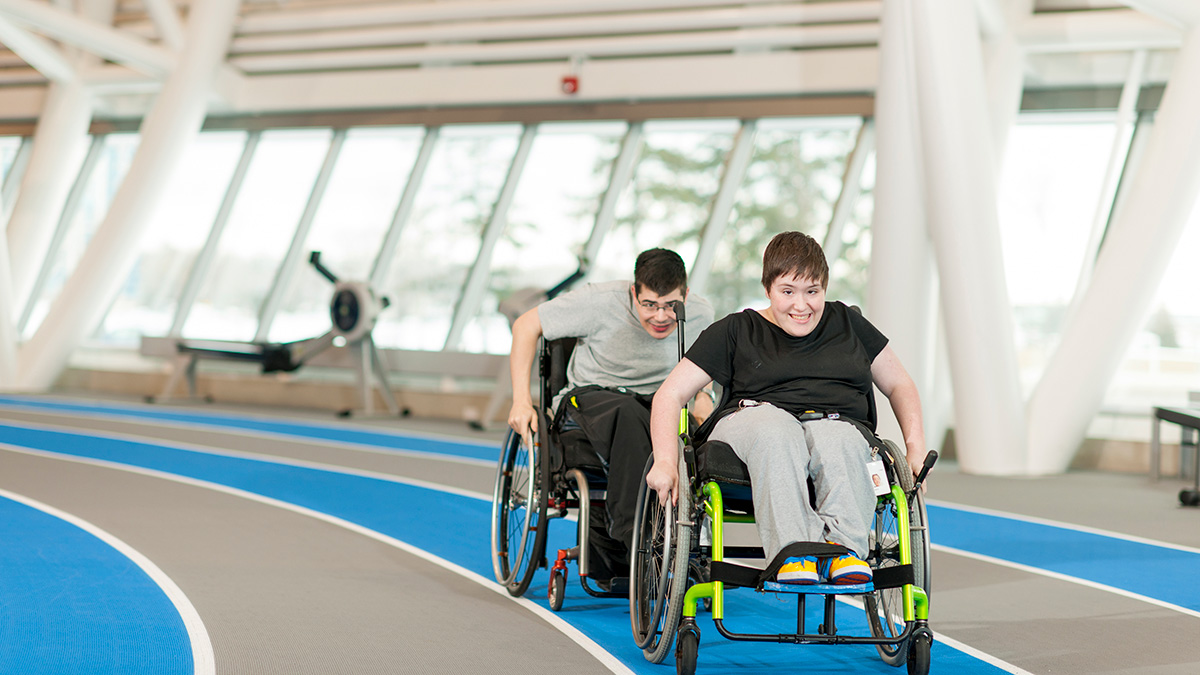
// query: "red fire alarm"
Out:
[570,84]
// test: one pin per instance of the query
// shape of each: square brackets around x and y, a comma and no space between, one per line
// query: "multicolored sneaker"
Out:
[845,570]
[798,571]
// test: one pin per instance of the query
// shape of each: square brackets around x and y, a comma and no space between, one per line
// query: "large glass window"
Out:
[549,221]
[669,198]
[358,206]
[792,183]
[439,245]
[179,227]
[1050,187]
[1163,364]
[260,229]
[99,187]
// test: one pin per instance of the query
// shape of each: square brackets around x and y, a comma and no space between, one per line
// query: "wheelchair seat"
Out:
[716,461]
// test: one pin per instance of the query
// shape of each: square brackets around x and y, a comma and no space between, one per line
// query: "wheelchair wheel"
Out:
[885,608]
[687,649]
[558,589]
[659,566]
[518,516]
[919,652]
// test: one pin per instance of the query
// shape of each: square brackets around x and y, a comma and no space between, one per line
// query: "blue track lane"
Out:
[455,528]
[70,603]
[1162,572]
[337,433]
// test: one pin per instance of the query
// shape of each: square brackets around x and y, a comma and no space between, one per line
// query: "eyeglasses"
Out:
[655,307]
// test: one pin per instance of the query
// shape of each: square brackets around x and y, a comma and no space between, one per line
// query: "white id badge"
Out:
[879,477]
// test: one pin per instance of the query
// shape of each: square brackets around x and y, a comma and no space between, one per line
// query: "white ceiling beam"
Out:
[89,36]
[683,43]
[276,20]
[834,71]
[1098,31]
[556,27]
[1182,13]
[992,20]
[166,21]
[38,52]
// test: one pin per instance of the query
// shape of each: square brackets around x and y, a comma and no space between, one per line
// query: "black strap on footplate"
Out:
[751,577]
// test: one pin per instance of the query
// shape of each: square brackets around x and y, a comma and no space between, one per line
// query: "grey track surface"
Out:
[280,592]
[284,593]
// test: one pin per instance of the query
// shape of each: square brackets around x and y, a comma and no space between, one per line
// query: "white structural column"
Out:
[1004,65]
[8,329]
[1136,251]
[172,123]
[70,209]
[901,298]
[59,142]
[960,197]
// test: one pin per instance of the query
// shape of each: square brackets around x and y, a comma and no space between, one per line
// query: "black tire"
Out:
[919,649]
[687,649]
[885,608]
[558,590]
[659,566]
[518,531]
[1189,497]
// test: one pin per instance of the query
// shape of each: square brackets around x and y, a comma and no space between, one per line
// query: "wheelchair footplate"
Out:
[818,589]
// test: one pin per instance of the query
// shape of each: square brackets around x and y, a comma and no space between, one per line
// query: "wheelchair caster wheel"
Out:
[687,648]
[919,648]
[558,589]
[1189,497]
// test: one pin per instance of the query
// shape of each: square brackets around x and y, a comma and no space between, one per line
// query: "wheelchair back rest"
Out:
[552,366]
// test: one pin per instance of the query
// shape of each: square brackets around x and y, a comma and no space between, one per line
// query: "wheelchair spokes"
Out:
[518,512]
[658,570]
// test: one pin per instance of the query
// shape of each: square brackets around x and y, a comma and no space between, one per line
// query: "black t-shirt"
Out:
[828,370]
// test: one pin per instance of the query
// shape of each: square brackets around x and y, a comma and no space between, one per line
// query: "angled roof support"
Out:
[89,36]
[173,122]
[38,52]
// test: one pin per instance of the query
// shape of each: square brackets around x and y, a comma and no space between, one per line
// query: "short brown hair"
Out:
[660,271]
[795,254]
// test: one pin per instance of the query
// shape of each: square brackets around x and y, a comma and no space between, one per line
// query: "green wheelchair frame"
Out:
[671,579]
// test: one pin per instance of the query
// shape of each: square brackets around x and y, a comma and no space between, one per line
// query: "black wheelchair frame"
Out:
[537,484]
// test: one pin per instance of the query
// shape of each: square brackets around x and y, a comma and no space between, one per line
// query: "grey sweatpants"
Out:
[781,453]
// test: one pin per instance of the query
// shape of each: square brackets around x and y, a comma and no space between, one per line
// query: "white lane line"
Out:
[982,656]
[110,409]
[255,456]
[573,633]
[1060,524]
[1063,577]
[951,642]
[550,617]
[216,427]
[203,660]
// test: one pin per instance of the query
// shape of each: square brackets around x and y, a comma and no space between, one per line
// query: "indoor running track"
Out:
[74,597]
